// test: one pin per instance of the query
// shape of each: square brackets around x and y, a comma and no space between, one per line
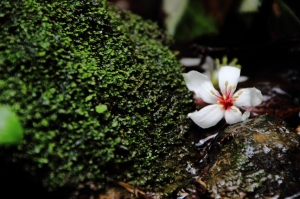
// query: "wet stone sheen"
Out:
[259,158]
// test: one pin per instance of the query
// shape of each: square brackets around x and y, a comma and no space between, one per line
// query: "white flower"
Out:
[225,105]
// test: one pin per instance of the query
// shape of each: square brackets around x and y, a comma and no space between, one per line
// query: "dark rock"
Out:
[259,158]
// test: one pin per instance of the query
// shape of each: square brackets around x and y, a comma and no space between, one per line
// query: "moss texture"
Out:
[97,90]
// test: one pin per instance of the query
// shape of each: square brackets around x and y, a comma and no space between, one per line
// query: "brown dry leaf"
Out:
[131,189]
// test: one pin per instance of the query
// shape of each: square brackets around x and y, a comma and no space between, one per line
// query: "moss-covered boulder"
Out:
[258,158]
[98,92]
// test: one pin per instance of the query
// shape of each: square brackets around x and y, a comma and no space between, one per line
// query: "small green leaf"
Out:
[101,108]
[41,54]
[10,127]
[88,98]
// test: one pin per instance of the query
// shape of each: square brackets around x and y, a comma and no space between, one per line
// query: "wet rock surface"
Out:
[259,158]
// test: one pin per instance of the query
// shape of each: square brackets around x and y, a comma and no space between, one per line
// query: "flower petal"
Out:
[256,97]
[190,61]
[245,115]
[201,85]
[242,97]
[228,74]
[208,116]
[209,63]
[233,115]
[248,97]
[243,78]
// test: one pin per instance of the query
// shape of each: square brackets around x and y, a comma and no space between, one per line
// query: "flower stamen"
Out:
[238,94]
[216,95]
[226,84]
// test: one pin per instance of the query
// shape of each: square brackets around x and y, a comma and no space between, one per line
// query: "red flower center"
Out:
[226,101]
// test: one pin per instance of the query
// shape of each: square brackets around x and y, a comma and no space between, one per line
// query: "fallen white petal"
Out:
[248,97]
[201,85]
[202,141]
[244,99]
[228,74]
[279,90]
[207,116]
[256,97]
[243,78]
[208,65]
[190,61]
[233,115]
[245,115]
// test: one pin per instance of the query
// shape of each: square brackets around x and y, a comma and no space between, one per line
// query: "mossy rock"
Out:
[98,91]
[258,158]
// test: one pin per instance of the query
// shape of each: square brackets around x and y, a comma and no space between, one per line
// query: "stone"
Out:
[258,158]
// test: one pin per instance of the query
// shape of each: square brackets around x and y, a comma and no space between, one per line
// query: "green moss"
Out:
[96,88]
